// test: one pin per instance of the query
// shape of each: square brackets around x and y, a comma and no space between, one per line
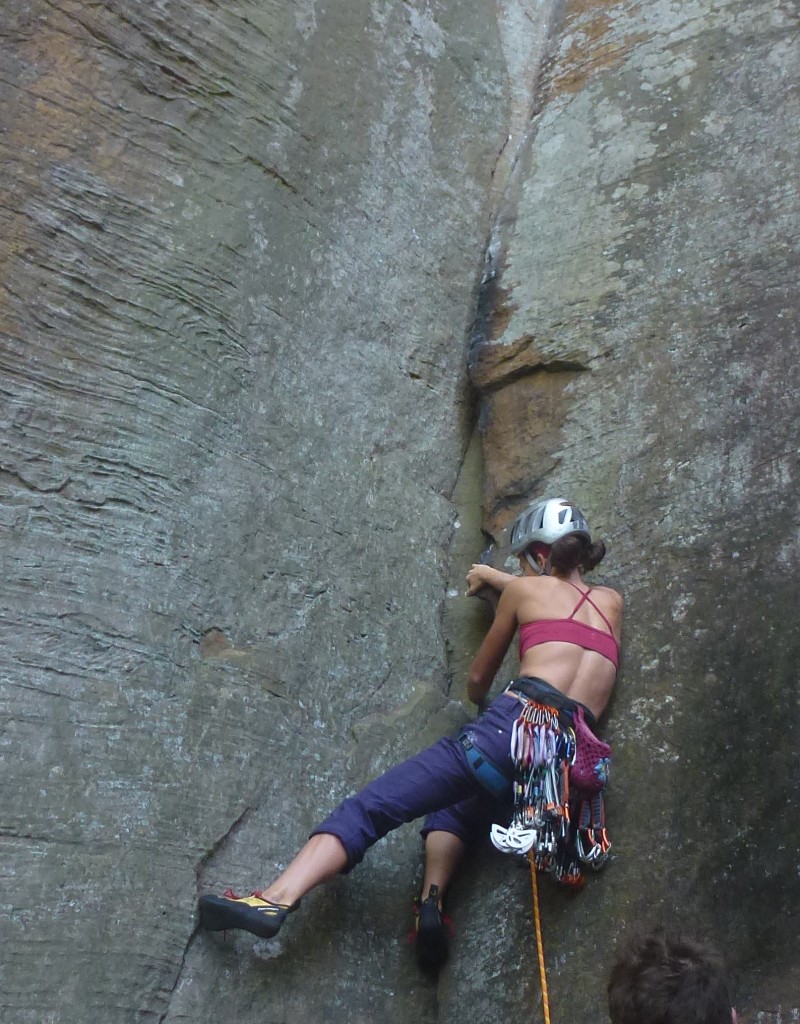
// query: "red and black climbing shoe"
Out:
[250,913]
[432,930]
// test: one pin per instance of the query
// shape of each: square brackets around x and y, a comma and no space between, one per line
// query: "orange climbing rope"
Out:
[539,945]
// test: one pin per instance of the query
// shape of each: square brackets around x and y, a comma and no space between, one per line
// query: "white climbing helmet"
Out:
[546,521]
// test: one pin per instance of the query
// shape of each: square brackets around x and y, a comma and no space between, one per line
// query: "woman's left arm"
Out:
[481,575]
[495,644]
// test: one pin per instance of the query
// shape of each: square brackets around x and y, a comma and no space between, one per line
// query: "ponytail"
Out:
[575,551]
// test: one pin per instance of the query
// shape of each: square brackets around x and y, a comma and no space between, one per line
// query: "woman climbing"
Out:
[569,651]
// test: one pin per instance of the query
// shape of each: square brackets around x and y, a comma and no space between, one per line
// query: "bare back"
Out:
[583,675]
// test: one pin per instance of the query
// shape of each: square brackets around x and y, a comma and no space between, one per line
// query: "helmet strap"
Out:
[534,565]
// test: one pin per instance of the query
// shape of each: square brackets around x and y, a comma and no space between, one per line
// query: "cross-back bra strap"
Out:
[585,597]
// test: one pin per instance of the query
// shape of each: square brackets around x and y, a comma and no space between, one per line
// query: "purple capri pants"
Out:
[438,783]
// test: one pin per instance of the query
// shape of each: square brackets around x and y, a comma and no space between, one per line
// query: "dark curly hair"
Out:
[574,551]
[660,978]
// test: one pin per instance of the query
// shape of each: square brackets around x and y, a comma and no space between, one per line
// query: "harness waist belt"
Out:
[484,769]
[537,689]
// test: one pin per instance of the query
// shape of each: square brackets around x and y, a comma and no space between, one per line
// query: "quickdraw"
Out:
[556,828]
[591,840]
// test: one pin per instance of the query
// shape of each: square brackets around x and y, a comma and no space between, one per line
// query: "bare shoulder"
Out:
[614,599]
[517,588]
[520,589]
[516,582]
[526,586]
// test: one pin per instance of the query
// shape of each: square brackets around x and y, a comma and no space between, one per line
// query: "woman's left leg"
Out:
[438,777]
[434,778]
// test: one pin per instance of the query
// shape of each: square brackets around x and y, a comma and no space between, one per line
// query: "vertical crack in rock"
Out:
[199,868]
[508,173]
[169,994]
[526,42]
[492,309]
[462,619]
[219,843]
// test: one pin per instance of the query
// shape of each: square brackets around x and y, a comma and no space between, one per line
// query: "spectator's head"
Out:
[663,979]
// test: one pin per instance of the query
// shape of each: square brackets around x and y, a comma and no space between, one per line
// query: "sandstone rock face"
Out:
[238,483]
[638,349]
[241,248]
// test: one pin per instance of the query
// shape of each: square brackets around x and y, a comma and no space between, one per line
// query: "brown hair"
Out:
[573,551]
[666,979]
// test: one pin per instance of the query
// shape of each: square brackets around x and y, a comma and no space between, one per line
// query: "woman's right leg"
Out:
[448,831]
[443,854]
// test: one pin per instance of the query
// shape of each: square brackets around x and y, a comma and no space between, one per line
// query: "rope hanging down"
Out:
[537,923]
[558,821]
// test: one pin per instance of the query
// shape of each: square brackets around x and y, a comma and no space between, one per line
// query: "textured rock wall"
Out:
[638,348]
[241,243]
[237,491]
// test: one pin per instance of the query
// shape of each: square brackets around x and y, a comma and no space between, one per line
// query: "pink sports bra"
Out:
[568,631]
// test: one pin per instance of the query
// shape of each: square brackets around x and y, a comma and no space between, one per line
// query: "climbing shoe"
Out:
[250,913]
[431,927]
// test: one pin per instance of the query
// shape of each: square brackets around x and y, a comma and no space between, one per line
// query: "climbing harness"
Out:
[542,751]
[483,768]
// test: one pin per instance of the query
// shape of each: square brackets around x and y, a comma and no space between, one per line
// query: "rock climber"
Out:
[569,636]
[665,979]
